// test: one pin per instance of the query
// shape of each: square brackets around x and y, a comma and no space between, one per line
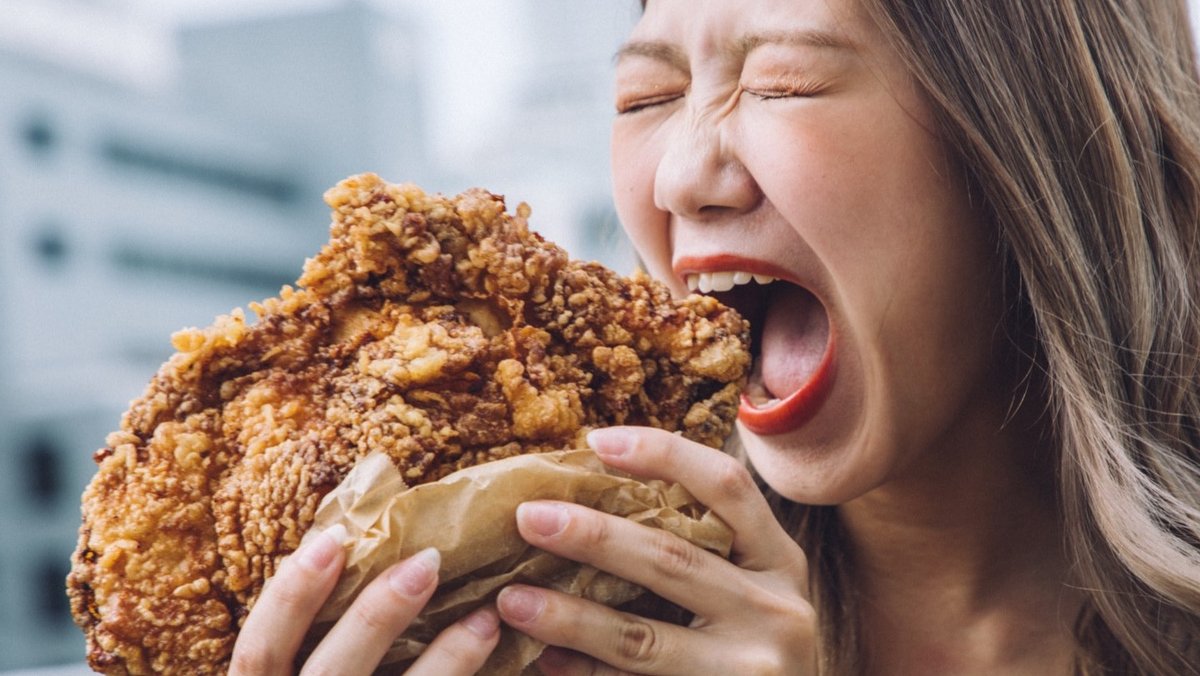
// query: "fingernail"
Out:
[611,442]
[416,574]
[544,519]
[520,604]
[319,552]
[483,623]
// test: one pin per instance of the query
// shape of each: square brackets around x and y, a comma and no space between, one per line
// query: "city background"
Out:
[163,162]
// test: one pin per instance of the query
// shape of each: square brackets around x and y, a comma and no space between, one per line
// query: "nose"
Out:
[700,176]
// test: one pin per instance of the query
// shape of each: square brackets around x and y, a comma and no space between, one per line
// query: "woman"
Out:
[976,412]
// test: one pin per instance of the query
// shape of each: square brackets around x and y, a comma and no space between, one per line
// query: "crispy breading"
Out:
[439,330]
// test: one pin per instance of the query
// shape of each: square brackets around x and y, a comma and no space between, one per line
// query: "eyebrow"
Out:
[660,51]
[677,58]
[808,37]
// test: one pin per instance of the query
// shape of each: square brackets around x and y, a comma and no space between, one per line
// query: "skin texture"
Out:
[844,187]
[273,632]
[752,612]
[786,132]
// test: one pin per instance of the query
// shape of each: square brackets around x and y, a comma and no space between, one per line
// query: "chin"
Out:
[811,474]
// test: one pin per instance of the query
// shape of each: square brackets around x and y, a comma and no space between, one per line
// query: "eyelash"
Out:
[642,104]
[637,106]
[770,95]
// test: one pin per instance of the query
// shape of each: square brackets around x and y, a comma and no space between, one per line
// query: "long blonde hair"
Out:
[1078,122]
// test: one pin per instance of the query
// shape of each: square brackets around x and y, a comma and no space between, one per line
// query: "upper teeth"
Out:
[722,281]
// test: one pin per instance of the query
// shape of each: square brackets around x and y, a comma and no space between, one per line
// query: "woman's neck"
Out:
[960,563]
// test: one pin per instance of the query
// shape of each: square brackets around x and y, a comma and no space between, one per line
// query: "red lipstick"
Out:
[792,412]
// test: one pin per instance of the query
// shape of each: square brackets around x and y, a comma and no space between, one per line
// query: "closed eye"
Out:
[639,104]
[789,93]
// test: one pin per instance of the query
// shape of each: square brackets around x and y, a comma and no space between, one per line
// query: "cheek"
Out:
[821,167]
[877,203]
[911,265]
[635,156]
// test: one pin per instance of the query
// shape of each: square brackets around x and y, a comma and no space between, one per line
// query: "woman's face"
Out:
[785,139]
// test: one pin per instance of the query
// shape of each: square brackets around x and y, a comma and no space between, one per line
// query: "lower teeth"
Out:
[761,399]
[755,391]
[767,404]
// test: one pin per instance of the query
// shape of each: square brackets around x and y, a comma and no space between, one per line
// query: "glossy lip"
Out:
[686,265]
[799,407]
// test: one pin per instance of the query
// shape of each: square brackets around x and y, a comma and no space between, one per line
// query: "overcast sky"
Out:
[133,41]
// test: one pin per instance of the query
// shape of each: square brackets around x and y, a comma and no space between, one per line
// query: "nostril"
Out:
[701,176]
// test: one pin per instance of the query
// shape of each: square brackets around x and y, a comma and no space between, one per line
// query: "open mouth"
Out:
[791,343]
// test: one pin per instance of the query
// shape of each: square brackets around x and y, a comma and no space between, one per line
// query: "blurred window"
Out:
[143,260]
[38,134]
[49,244]
[276,189]
[42,472]
[51,604]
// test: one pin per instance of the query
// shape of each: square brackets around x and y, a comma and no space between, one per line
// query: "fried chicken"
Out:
[439,330]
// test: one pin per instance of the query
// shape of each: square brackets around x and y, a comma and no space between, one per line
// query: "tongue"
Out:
[794,337]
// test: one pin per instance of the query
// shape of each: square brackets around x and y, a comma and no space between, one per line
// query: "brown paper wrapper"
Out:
[469,517]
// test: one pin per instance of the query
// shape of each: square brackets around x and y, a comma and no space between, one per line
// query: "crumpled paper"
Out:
[470,517]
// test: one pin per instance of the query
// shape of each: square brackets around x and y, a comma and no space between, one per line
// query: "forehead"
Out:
[700,26]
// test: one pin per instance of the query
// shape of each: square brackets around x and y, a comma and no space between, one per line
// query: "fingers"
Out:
[752,612]
[657,559]
[717,481]
[557,661]
[380,613]
[624,641]
[276,626]
[461,648]
[600,640]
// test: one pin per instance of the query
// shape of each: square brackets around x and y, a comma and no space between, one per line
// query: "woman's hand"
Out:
[275,628]
[752,615]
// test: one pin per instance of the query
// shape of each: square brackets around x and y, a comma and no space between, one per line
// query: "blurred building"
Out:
[554,147]
[128,213]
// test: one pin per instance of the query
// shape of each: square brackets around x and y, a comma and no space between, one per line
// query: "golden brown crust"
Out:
[440,330]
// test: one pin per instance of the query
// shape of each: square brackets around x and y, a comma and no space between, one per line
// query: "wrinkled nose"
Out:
[700,176]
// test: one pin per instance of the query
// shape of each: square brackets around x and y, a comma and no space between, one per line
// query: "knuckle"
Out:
[637,643]
[669,449]
[733,480]
[596,531]
[791,610]
[788,565]
[252,658]
[795,619]
[674,557]
[637,445]
[370,614]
